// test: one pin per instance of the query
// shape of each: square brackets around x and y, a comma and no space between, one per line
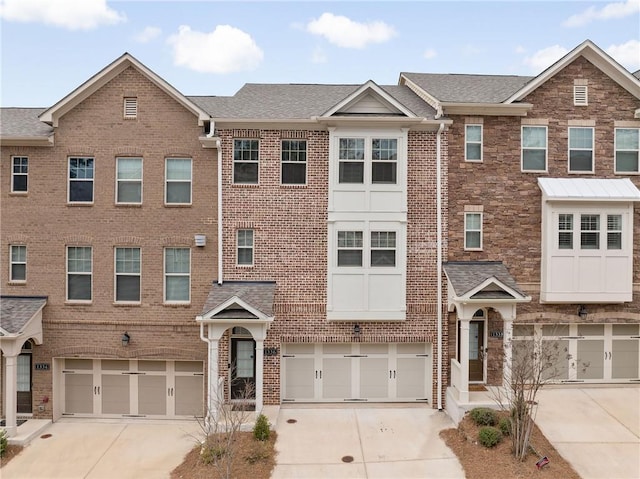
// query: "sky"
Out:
[50,47]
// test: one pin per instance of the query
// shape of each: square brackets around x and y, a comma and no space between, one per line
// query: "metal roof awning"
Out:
[588,189]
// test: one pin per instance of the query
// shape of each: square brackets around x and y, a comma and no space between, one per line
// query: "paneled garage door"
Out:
[342,372]
[131,388]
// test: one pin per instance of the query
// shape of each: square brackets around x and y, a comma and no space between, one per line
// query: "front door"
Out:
[243,368]
[476,351]
[24,384]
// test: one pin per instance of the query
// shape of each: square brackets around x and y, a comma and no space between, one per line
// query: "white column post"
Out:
[11,394]
[464,360]
[259,374]
[508,355]
[214,395]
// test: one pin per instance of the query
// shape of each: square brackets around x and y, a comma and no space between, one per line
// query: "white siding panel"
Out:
[386,292]
[348,292]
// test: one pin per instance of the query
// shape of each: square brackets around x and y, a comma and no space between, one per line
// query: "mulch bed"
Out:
[11,452]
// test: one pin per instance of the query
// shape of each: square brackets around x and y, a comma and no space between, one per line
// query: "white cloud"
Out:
[319,56]
[627,54]
[520,50]
[545,58]
[430,53]
[609,11]
[346,33]
[225,50]
[70,14]
[148,34]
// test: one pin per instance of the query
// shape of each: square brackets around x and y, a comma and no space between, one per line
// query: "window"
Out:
[565,231]
[473,142]
[627,150]
[534,148]
[580,95]
[18,263]
[349,248]
[81,180]
[178,184]
[245,161]
[384,158]
[351,158]
[294,162]
[245,247]
[129,180]
[130,107]
[473,231]
[590,231]
[127,274]
[79,272]
[581,150]
[383,248]
[177,275]
[19,173]
[614,231]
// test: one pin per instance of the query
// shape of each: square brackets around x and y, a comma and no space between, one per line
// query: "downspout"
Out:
[439,258]
[219,149]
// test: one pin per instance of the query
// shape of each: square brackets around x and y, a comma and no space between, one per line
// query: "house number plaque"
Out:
[41,366]
[270,351]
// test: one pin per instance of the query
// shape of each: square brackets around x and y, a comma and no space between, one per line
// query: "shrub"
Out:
[211,452]
[3,442]
[483,416]
[489,436]
[505,426]
[261,430]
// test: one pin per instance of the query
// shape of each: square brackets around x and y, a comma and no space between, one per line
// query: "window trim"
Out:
[361,162]
[611,231]
[289,162]
[12,263]
[90,274]
[467,142]
[546,149]
[116,274]
[361,248]
[167,181]
[595,233]
[385,248]
[14,174]
[234,162]
[165,275]
[92,179]
[130,107]
[592,149]
[118,180]
[580,95]
[480,231]
[245,247]
[615,152]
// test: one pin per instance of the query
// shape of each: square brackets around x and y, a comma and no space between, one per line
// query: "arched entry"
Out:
[25,383]
[242,371]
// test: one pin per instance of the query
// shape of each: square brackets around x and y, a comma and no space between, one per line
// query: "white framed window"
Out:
[129,180]
[177,275]
[565,231]
[130,107]
[383,249]
[127,275]
[351,160]
[589,231]
[178,175]
[627,150]
[350,248]
[384,160]
[580,95]
[293,162]
[581,150]
[81,175]
[534,148]
[244,241]
[79,273]
[614,231]
[473,231]
[246,161]
[19,174]
[473,142]
[18,262]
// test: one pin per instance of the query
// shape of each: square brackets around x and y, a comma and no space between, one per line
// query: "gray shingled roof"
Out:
[16,311]
[257,294]
[637,74]
[467,275]
[23,123]
[462,88]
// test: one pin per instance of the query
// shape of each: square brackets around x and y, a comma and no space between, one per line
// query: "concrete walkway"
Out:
[363,442]
[596,429]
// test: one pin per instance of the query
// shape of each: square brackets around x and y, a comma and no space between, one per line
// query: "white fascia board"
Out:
[27,141]
[366,316]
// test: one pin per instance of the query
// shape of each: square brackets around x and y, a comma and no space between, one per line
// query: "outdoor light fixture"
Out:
[582,311]
[356,329]
[125,339]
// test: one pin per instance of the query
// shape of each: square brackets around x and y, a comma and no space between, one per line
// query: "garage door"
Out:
[341,372]
[131,388]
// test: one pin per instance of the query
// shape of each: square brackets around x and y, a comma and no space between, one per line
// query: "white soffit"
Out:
[589,189]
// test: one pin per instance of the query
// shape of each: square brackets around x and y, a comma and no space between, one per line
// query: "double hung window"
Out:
[81,171]
[627,146]
[245,247]
[178,181]
[177,275]
[18,271]
[534,148]
[19,173]
[473,231]
[245,161]
[79,273]
[294,162]
[580,150]
[127,288]
[473,142]
[129,180]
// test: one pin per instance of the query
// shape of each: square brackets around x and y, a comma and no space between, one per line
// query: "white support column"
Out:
[11,395]
[464,360]
[214,395]
[259,375]
[508,354]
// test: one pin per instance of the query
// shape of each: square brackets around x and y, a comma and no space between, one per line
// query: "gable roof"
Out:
[482,280]
[93,84]
[240,299]
[17,311]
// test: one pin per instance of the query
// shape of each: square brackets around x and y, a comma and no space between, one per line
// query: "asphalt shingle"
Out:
[16,311]
[257,294]
[467,275]
[23,123]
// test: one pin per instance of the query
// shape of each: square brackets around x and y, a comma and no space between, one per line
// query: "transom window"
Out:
[627,146]
[351,158]
[127,279]
[79,273]
[178,181]
[245,161]
[473,231]
[294,162]
[383,248]
[589,231]
[177,275]
[349,248]
[565,231]
[245,247]
[81,180]
[473,142]
[19,173]
[581,150]
[129,180]
[534,148]
[384,158]
[18,271]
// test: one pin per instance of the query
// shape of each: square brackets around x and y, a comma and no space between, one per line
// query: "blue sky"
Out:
[49,47]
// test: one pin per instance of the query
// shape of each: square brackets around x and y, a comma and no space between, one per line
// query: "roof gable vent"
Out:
[130,107]
[580,97]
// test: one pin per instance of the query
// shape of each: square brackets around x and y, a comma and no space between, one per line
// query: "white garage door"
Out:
[340,372]
[131,388]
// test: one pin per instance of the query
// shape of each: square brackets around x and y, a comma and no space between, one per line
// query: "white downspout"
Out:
[439,258]
[219,148]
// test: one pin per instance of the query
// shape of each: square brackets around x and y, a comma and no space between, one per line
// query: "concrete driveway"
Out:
[103,448]
[596,429]
[363,442]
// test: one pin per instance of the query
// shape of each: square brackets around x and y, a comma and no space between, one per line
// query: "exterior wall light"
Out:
[582,312]
[356,329]
[125,339]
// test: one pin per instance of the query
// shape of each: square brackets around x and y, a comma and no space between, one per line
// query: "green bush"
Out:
[505,426]
[261,430]
[3,442]
[211,453]
[483,416]
[489,436]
